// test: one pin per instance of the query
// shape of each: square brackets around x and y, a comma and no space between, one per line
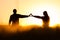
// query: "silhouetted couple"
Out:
[14,18]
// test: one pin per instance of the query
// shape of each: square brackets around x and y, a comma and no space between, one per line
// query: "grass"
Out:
[33,32]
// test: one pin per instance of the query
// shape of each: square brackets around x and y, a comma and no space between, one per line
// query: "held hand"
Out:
[30,14]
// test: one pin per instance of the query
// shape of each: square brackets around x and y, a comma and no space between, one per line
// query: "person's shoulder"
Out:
[11,15]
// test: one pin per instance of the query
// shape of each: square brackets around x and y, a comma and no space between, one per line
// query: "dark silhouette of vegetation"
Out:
[33,34]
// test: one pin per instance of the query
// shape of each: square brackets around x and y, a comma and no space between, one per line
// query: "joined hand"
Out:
[30,14]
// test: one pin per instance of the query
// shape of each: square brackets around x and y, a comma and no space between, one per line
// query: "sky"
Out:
[25,7]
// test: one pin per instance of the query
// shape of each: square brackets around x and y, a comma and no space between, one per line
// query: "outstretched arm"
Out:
[23,16]
[38,17]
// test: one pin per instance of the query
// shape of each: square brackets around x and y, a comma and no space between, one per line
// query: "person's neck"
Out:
[14,13]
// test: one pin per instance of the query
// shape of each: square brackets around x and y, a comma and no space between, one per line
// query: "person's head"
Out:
[14,11]
[45,13]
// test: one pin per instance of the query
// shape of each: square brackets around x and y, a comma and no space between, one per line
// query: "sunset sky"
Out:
[25,7]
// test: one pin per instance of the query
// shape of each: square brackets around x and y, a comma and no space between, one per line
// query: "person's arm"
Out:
[23,16]
[10,20]
[38,17]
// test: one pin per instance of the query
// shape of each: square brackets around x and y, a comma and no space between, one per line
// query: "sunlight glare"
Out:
[38,10]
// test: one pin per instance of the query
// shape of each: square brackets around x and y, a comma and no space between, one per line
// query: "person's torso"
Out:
[45,19]
[15,18]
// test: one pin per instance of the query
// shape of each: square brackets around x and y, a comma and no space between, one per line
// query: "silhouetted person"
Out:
[14,18]
[45,19]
